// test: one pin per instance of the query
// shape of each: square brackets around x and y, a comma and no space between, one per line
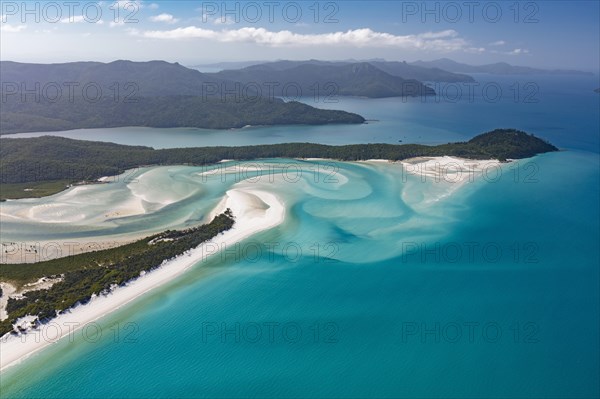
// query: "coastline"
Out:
[447,169]
[254,211]
[30,252]
[450,169]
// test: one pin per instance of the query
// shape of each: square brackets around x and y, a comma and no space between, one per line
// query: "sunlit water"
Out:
[376,285]
[562,109]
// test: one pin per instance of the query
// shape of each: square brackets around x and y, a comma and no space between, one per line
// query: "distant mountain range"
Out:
[150,79]
[46,97]
[325,79]
[394,68]
[219,66]
[499,68]
[441,70]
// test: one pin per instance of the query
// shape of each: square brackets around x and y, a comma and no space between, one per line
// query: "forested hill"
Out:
[143,79]
[50,97]
[163,112]
[325,79]
[54,158]
[395,68]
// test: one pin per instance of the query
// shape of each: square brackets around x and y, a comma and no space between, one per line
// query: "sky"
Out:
[549,33]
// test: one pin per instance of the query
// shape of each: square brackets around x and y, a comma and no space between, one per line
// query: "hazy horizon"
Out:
[543,34]
[255,62]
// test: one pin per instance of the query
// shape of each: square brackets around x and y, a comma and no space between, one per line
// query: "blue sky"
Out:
[556,34]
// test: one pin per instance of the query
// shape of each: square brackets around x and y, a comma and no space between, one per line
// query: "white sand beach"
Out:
[254,211]
[451,169]
[447,168]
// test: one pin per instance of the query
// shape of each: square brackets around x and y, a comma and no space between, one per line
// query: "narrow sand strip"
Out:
[254,211]
[446,169]
[450,169]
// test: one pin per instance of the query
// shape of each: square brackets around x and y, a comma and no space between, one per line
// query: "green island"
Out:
[27,163]
[79,95]
[98,272]
[328,80]
[163,112]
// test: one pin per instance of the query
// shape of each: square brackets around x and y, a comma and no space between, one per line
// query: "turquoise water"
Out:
[370,290]
[562,109]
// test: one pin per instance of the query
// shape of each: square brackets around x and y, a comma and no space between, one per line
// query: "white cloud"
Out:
[447,40]
[153,6]
[113,24]
[440,34]
[519,51]
[498,43]
[168,18]
[476,50]
[8,28]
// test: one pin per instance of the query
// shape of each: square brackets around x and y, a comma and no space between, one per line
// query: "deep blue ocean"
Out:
[368,289]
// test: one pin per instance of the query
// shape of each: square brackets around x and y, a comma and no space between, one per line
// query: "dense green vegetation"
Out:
[96,272]
[325,80]
[173,111]
[395,68]
[50,97]
[146,79]
[50,158]
[54,158]
[32,189]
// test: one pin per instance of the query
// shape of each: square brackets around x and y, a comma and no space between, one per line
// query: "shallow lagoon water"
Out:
[376,315]
[562,109]
[491,291]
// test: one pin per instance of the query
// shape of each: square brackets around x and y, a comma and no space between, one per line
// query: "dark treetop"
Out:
[55,158]
[97,272]
[50,97]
